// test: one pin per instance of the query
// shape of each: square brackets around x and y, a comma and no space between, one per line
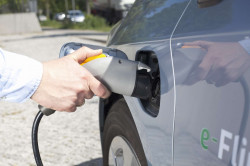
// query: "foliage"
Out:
[45,7]
[91,22]
[51,7]
[52,23]
[12,6]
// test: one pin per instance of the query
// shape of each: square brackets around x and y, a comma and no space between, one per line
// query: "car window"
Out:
[227,16]
[154,20]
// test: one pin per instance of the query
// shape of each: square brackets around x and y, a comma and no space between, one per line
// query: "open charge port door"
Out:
[152,104]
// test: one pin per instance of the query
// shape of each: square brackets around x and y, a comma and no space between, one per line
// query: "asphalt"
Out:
[65,139]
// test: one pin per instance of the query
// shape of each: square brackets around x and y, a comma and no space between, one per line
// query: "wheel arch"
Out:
[104,107]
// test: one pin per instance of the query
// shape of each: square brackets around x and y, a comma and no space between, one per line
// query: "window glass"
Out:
[149,20]
[227,16]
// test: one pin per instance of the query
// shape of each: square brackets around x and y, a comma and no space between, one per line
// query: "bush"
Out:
[91,23]
[51,23]
[94,22]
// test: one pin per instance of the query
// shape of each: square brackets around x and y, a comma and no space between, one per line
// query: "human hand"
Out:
[65,84]
[223,63]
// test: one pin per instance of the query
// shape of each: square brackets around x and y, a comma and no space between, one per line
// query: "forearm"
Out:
[245,44]
[19,76]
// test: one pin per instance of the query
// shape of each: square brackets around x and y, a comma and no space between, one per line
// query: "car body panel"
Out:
[155,132]
[205,124]
[211,124]
[132,36]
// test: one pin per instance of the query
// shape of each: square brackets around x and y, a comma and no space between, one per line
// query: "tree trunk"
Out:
[47,9]
[66,5]
[73,5]
[88,6]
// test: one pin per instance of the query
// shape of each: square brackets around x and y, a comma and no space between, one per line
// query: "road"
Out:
[65,139]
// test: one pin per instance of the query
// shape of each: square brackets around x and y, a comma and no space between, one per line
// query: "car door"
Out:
[144,36]
[212,78]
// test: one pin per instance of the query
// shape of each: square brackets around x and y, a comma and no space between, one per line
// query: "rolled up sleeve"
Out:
[245,44]
[20,76]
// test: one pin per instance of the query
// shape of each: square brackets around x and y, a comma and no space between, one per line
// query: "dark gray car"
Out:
[199,53]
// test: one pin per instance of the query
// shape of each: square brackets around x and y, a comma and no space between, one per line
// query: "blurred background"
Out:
[71,14]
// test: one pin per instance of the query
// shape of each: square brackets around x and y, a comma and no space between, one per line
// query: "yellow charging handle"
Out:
[93,58]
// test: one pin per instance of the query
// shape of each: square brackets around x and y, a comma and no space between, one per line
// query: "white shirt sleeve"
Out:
[20,76]
[245,44]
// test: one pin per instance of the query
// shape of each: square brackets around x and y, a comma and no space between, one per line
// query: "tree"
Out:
[88,6]
[51,7]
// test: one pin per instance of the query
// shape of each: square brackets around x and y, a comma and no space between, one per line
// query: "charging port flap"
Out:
[151,104]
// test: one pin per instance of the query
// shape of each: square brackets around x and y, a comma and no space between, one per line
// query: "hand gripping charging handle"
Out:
[115,71]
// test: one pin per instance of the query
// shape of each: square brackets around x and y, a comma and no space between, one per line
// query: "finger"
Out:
[200,72]
[209,81]
[221,82]
[207,65]
[71,109]
[215,74]
[98,88]
[88,95]
[80,99]
[213,78]
[80,102]
[83,53]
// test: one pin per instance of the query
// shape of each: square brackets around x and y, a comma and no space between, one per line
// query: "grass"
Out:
[90,23]
[52,24]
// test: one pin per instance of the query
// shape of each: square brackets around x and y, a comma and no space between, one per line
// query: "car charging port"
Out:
[152,103]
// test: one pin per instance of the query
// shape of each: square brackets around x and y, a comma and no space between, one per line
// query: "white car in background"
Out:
[75,16]
[60,16]
[42,18]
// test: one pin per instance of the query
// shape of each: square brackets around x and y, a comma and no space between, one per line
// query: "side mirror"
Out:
[207,3]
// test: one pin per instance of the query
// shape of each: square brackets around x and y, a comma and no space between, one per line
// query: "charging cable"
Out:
[34,133]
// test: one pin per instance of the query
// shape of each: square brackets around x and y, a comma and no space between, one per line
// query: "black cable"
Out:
[245,114]
[244,119]
[34,138]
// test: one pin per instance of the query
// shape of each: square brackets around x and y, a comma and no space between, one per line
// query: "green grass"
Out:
[90,23]
[52,24]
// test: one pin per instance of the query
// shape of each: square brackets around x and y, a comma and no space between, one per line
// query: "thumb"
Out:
[83,53]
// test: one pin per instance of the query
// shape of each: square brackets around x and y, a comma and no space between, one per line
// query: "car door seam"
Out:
[174,87]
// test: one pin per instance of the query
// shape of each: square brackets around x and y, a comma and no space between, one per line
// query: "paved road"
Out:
[65,139]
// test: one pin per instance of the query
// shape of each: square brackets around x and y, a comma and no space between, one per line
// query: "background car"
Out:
[75,16]
[42,18]
[198,111]
[60,16]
